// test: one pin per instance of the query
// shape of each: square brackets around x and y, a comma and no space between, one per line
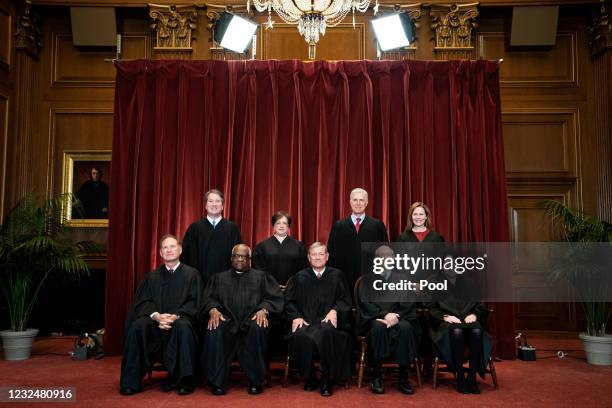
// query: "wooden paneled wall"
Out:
[7,21]
[554,104]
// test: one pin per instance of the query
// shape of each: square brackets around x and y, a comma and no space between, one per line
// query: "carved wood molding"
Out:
[453,25]
[174,26]
[27,31]
[599,31]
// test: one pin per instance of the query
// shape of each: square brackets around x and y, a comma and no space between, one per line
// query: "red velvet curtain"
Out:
[299,136]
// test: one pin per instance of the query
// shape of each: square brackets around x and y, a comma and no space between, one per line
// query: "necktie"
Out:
[357,224]
[318,275]
[214,223]
[170,271]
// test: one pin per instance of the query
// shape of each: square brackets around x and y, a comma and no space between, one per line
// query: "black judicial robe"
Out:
[238,297]
[458,301]
[310,298]
[399,341]
[209,249]
[344,245]
[178,293]
[432,236]
[281,259]
[94,198]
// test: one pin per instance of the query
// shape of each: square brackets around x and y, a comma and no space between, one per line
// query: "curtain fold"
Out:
[300,136]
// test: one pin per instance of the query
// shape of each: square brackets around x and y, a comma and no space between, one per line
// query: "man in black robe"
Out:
[208,243]
[317,303]
[388,320]
[93,197]
[346,236]
[238,302]
[161,324]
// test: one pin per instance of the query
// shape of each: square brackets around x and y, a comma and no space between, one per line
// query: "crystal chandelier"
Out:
[311,16]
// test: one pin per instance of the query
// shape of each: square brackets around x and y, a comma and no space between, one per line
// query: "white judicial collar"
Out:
[280,239]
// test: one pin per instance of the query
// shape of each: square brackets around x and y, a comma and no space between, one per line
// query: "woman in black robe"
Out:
[280,255]
[457,319]
[418,227]
[419,230]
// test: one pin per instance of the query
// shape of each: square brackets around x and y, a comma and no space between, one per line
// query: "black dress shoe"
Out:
[128,391]
[218,390]
[326,389]
[404,387]
[377,386]
[185,390]
[311,384]
[461,384]
[472,385]
[255,389]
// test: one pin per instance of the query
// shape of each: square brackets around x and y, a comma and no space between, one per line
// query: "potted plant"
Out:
[35,246]
[590,277]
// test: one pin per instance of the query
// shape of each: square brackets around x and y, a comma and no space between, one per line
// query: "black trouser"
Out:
[220,346]
[144,339]
[459,339]
[333,346]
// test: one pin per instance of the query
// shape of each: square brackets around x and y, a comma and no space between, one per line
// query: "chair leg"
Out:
[286,373]
[418,371]
[435,373]
[362,364]
[493,373]
[269,376]
[149,374]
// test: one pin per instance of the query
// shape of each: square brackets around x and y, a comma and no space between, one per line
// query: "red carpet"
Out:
[545,383]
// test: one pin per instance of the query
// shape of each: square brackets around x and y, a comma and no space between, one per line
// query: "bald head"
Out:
[384,251]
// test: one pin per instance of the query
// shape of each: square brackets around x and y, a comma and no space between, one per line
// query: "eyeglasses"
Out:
[240,256]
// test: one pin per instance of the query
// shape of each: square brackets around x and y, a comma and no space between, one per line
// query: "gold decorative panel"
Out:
[453,25]
[173,26]
[27,31]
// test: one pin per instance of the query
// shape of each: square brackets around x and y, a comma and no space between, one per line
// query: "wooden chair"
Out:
[286,372]
[155,367]
[363,347]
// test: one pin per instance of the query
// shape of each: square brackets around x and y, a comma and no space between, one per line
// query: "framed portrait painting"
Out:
[87,177]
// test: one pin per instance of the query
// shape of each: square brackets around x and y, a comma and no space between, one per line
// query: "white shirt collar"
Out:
[175,266]
[214,221]
[323,271]
[354,218]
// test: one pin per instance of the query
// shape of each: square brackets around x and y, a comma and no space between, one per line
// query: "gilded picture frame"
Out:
[86,176]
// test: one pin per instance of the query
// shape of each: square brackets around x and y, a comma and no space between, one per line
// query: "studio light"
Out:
[394,31]
[234,32]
